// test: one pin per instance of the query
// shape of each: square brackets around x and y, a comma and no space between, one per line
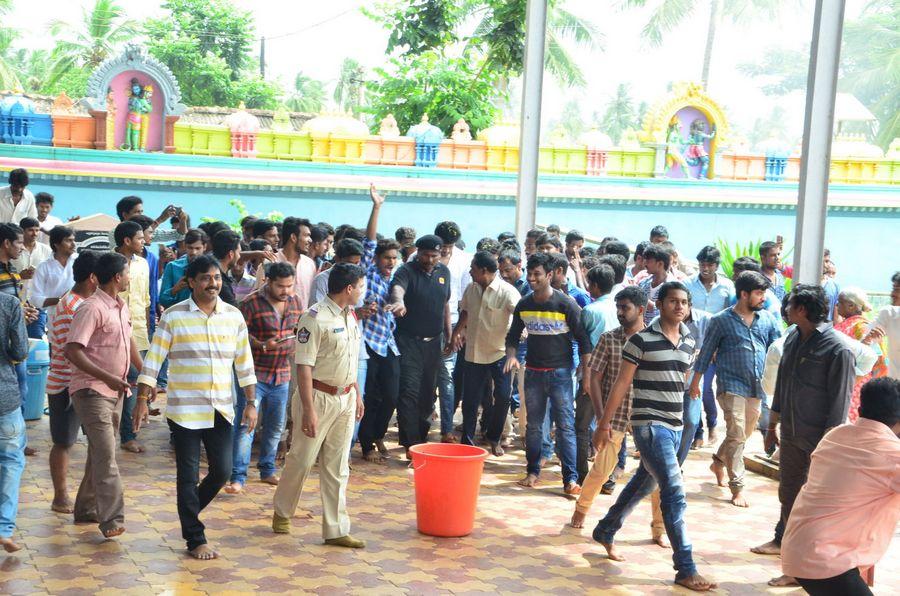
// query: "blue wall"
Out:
[864,245]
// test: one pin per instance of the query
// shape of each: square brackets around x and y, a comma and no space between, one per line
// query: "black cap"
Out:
[429,242]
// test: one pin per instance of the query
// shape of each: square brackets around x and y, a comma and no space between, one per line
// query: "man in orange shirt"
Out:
[846,513]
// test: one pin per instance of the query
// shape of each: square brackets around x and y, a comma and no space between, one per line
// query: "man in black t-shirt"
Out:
[553,321]
[420,294]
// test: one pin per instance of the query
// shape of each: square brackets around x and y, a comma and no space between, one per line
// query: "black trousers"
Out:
[479,379]
[584,415]
[419,362]
[849,583]
[193,495]
[793,463]
[382,387]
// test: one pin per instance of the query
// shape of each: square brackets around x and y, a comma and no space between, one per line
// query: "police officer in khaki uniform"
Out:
[329,403]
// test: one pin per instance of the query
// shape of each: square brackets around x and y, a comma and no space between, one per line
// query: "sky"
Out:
[314,37]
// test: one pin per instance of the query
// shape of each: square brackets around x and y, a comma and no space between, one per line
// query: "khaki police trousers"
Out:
[331,447]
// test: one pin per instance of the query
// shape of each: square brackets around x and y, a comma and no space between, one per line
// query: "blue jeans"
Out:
[446,392]
[659,447]
[12,464]
[709,402]
[125,429]
[691,418]
[38,327]
[162,379]
[514,398]
[554,388]
[272,403]
[361,381]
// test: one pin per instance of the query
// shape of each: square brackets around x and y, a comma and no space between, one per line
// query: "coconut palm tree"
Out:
[8,76]
[668,15]
[620,114]
[348,90]
[308,95]
[86,45]
[565,29]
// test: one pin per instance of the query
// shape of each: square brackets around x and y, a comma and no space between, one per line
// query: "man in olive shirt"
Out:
[329,403]
[485,315]
[420,294]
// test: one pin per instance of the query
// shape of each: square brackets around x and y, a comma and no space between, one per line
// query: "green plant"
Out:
[242,213]
[732,252]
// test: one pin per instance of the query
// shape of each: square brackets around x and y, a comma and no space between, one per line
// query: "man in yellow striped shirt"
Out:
[204,339]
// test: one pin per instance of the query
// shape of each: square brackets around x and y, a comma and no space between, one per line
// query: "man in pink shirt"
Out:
[846,513]
[296,241]
[100,347]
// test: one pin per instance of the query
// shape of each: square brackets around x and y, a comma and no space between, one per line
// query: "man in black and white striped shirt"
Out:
[655,362]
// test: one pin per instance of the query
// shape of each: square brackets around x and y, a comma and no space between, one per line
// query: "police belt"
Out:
[326,388]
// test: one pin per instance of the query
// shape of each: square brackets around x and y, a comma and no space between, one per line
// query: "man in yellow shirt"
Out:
[129,237]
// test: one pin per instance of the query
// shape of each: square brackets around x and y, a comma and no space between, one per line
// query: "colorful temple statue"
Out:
[388,128]
[145,118]
[110,135]
[674,144]
[461,131]
[139,107]
[685,127]
[696,152]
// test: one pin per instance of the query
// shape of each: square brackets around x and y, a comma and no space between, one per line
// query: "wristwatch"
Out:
[250,403]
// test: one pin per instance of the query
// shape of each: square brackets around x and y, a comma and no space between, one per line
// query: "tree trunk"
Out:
[710,40]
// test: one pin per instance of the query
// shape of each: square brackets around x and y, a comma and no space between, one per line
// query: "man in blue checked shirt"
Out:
[383,374]
[739,337]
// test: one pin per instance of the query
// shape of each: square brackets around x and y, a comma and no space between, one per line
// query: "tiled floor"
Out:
[521,543]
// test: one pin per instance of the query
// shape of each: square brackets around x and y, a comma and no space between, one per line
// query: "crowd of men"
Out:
[316,337]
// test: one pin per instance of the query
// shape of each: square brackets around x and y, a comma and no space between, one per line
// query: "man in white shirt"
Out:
[16,201]
[887,324]
[33,254]
[54,277]
[44,203]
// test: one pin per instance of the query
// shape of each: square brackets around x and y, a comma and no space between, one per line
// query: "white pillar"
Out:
[532,86]
[821,86]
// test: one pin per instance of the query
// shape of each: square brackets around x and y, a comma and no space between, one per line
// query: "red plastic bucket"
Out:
[447,479]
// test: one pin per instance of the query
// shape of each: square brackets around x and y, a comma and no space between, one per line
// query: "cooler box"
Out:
[37,367]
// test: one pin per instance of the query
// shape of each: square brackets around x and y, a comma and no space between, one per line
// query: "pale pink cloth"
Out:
[847,511]
[102,325]
[305,273]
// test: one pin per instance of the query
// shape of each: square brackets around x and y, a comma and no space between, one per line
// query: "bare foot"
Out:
[29,451]
[113,532]
[572,489]
[234,488]
[9,545]
[497,450]
[529,481]
[738,500]
[273,480]
[612,553]
[783,581]
[769,548]
[374,457]
[661,542]
[204,552]
[381,447]
[697,583]
[62,507]
[133,446]
[719,470]
[577,520]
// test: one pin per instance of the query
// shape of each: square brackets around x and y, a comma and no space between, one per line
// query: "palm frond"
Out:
[666,17]
[561,64]
[570,26]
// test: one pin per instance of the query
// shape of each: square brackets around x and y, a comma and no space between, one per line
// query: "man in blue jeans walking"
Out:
[271,313]
[655,362]
[553,323]
[13,347]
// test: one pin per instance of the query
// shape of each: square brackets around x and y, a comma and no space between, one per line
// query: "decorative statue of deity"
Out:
[389,128]
[461,131]
[145,117]
[674,143]
[110,119]
[696,153]
[138,106]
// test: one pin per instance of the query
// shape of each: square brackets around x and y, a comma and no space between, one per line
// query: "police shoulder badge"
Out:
[303,335]
[441,280]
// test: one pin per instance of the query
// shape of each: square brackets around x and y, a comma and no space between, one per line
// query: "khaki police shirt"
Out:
[489,313]
[328,340]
